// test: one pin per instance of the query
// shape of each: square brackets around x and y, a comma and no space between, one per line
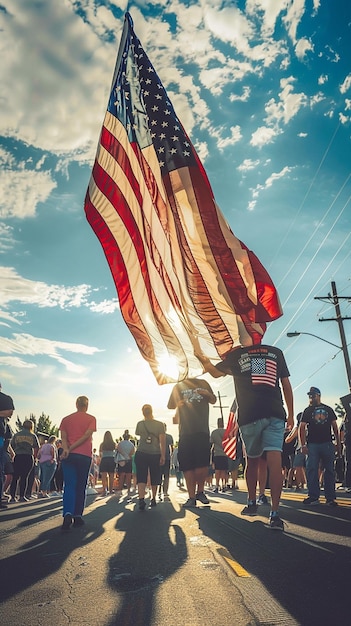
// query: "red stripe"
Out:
[127,304]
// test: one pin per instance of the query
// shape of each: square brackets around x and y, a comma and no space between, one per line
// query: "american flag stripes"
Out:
[186,285]
[229,441]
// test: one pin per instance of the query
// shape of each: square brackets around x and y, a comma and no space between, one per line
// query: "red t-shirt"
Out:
[75,425]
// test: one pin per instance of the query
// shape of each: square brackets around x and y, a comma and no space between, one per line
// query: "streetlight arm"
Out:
[296,334]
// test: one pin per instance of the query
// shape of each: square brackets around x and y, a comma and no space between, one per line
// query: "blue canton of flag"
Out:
[140,102]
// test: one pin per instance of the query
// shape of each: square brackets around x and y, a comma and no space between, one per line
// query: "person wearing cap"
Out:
[6,410]
[317,424]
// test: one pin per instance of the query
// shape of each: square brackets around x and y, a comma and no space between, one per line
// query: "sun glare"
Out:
[168,366]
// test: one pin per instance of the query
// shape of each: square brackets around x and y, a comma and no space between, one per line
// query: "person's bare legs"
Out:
[200,477]
[251,476]
[104,481]
[141,490]
[190,481]
[274,462]
[262,475]
[111,477]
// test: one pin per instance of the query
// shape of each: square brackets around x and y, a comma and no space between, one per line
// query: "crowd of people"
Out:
[273,449]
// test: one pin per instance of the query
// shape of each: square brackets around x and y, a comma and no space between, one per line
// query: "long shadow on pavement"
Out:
[145,557]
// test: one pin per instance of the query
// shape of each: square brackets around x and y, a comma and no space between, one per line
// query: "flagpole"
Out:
[221,407]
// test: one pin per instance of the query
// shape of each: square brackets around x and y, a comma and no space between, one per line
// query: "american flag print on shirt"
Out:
[187,286]
[263,371]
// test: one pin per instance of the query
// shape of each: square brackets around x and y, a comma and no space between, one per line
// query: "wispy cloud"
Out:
[248,164]
[346,84]
[22,191]
[268,183]
[30,346]
[16,288]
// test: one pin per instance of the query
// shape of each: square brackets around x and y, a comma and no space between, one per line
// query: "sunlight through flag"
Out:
[186,285]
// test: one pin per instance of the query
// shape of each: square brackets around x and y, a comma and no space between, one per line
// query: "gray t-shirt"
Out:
[216,439]
[149,432]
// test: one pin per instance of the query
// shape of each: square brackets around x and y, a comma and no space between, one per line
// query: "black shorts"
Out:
[145,462]
[194,451]
[126,468]
[107,464]
[221,462]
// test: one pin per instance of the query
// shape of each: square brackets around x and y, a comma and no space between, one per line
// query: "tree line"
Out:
[42,425]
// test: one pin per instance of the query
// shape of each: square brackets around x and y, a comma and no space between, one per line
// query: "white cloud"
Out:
[345,86]
[106,306]
[16,288]
[317,98]
[31,346]
[347,104]
[247,164]
[7,239]
[267,184]
[293,17]
[51,104]
[316,5]
[15,361]
[243,97]
[263,135]
[287,106]
[302,134]
[202,150]
[343,118]
[276,175]
[270,11]
[224,142]
[302,47]
[22,191]
[323,78]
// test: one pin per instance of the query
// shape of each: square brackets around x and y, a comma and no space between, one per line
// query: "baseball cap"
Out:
[314,391]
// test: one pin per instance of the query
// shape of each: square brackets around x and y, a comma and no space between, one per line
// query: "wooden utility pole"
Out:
[334,299]
[220,407]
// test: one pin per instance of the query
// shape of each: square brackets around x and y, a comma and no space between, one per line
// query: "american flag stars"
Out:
[150,103]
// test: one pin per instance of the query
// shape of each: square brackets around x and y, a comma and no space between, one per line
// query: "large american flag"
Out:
[186,285]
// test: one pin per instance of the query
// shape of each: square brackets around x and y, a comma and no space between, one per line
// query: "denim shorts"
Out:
[299,460]
[265,434]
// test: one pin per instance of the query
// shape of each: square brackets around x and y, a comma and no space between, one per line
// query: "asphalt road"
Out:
[168,566]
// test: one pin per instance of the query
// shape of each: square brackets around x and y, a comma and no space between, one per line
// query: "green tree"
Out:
[339,410]
[45,425]
[42,425]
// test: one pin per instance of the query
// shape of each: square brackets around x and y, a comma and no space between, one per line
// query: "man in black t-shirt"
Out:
[318,421]
[258,372]
[191,398]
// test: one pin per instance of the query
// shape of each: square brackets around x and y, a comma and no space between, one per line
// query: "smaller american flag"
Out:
[230,435]
[263,371]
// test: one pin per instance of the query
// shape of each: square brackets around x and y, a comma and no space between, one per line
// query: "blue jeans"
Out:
[47,470]
[323,452]
[75,475]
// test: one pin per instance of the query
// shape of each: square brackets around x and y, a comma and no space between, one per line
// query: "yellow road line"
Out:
[235,566]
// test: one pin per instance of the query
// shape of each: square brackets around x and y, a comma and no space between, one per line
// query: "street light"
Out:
[343,349]
[296,334]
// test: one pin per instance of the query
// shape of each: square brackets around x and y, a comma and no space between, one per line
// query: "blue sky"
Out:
[263,88]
